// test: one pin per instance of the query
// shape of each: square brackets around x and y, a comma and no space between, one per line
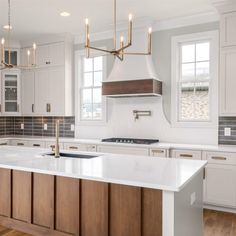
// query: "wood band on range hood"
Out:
[144,87]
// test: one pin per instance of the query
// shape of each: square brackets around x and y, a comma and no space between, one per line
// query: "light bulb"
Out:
[34,46]
[121,39]
[28,52]
[3,41]
[150,30]
[86,21]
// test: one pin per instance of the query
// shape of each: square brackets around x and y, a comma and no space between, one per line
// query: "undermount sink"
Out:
[71,155]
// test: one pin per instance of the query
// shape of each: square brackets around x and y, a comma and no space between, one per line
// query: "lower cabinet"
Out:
[80,147]
[158,152]
[41,204]
[123,150]
[186,154]
[220,179]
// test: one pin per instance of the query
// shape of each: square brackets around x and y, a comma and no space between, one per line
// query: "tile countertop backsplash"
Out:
[34,126]
[227,122]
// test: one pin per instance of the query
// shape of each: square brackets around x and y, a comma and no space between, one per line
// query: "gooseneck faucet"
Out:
[57,147]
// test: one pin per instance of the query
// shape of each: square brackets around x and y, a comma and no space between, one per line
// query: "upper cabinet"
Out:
[47,90]
[11,92]
[228,29]
[227,63]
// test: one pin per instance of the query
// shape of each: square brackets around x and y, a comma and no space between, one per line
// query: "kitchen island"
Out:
[108,195]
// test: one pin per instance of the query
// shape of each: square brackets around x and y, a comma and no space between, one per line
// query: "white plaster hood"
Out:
[135,75]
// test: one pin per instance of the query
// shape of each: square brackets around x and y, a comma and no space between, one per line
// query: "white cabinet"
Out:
[28,92]
[48,88]
[228,81]
[11,92]
[36,144]
[50,55]
[80,147]
[51,93]
[158,152]
[220,179]
[186,154]
[51,145]
[228,29]
[19,142]
[4,142]
[122,150]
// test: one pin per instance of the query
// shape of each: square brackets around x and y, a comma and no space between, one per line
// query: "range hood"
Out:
[135,76]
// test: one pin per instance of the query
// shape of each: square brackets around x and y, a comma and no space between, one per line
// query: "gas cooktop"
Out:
[130,140]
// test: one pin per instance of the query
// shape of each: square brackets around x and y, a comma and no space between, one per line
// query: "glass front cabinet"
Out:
[10,104]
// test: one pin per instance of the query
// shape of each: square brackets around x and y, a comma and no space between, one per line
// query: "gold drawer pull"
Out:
[3,144]
[36,145]
[158,151]
[73,147]
[186,155]
[219,158]
[20,144]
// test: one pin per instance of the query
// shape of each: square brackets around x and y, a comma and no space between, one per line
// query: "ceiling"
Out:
[31,18]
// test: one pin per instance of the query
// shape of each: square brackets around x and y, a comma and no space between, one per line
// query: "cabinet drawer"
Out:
[226,158]
[18,142]
[186,154]
[158,152]
[4,142]
[36,144]
[123,150]
[52,145]
[80,147]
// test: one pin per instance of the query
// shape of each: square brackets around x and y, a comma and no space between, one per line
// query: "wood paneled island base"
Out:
[41,204]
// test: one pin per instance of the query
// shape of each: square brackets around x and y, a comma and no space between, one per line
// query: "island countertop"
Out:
[151,172]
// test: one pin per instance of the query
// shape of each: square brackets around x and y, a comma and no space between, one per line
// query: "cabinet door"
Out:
[220,187]
[57,54]
[42,56]
[57,91]
[123,150]
[186,154]
[11,93]
[41,92]
[27,99]
[80,147]
[228,30]
[228,82]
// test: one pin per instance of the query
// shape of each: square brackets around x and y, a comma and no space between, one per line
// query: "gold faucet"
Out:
[57,147]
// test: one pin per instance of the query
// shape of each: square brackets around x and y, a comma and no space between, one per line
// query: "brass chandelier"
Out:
[7,64]
[117,52]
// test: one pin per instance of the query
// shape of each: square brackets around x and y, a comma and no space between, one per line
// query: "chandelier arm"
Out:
[123,48]
[114,22]
[136,53]
[98,49]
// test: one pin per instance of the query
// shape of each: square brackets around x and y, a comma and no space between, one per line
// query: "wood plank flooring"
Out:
[215,224]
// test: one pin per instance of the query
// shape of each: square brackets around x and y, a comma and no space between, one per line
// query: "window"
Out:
[91,90]
[194,79]
[90,104]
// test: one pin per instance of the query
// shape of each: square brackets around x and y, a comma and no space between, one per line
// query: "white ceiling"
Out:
[31,18]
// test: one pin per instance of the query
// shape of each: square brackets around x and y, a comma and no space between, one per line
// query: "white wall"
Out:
[120,120]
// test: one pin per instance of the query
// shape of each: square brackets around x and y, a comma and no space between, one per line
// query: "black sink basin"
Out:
[72,155]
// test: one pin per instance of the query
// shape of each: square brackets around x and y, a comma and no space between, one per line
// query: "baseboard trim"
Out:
[219,208]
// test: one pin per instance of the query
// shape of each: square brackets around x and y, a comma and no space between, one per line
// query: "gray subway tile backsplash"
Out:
[227,122]
[34,126]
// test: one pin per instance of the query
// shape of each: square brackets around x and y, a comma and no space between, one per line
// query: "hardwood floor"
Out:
[215,224]
[219,223]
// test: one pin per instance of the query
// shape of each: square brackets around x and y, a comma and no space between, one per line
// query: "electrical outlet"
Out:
[72,127]
[45,127]
[22,126]
[227,132]
[193,198]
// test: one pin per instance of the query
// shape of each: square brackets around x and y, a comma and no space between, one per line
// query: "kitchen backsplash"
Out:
[227,122]
[36,126]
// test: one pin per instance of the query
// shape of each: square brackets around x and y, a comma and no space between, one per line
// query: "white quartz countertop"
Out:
[150,172]
[165,145]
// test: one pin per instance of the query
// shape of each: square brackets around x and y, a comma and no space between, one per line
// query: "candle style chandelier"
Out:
[6,63]
[117,52]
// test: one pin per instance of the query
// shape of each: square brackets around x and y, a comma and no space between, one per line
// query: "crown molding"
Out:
[160,25]
[224,6]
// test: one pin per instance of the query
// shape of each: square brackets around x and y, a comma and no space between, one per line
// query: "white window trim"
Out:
[78,86]
[213,36]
